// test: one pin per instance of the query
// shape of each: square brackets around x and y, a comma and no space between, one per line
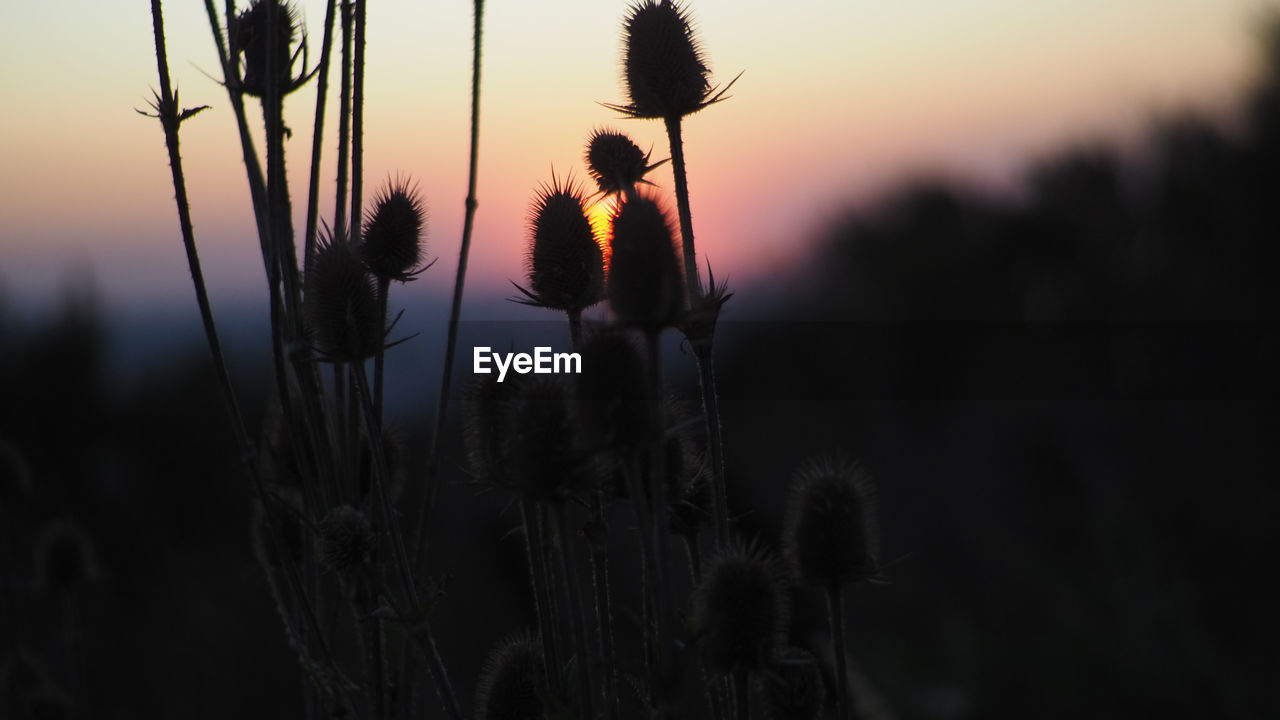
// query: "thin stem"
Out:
[742,688]
[422,632]
[455,309]
[715,439]
[317,136]
[357,125]
[541,604]
[426,642]
[344,125]
[384,289]
[170,119]
[599,559]
[569,568]
[682,205]
[660,533]
[835,609]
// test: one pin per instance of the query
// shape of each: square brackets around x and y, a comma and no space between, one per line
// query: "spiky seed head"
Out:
[615,162]
[792,687]
[346,538]
[740,608]
[646,288]
[613,395]
[663,66]
[393,230]
[512,681]
[251,32]
[341,305]
[565,262]
[543,456]
[65,557]
[831,530]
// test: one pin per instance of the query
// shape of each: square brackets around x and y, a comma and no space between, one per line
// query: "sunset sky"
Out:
[838,100]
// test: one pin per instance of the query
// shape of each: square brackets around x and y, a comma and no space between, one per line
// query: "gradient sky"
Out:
[838,100]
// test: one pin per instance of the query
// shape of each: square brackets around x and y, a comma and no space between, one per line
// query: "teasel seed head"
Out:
[663,66]
[740,608]
[511,682]
[616,163]
[346,538]
[542,453]
[792,687]
[393,230]
[565,262]
[341,304]
[65,557]
[646,288]
[831,531]
[250,38]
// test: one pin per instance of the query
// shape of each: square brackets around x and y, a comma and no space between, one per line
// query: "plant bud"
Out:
[346,538]
[616,163]
[511,682]
[566,264]
[831,530]
[340,304]
[740,608]
[251,39]
[665,73]
[646,290]
[393,229]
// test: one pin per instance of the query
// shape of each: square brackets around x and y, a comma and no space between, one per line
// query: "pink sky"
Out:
[838,101]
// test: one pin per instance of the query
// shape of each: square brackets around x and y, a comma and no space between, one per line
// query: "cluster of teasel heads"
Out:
[612,435]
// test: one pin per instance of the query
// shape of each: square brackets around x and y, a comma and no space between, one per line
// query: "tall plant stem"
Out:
[742,693]
[421,631]
[835,608]
[357,125]
[317,135]
[675,139]
[170,118]
[569,568]
[384,289]
[702,347]
[344,126]
[715,439]
[455,308]
[658,497]
[541,603]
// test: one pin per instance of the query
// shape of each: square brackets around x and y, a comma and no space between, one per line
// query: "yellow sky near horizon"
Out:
[838,100]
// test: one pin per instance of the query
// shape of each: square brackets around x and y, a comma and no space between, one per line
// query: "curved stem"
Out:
[357,124]
[317,136]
